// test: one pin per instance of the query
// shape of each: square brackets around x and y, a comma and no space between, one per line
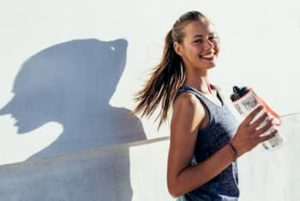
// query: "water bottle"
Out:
[245,101]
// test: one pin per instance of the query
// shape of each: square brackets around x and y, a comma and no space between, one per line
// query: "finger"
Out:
[260,120]
[267,137]
[264,128]
[252,114]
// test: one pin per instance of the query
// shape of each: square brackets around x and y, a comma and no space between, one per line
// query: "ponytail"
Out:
[163,84]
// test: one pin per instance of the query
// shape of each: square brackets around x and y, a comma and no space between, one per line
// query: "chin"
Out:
[211,66]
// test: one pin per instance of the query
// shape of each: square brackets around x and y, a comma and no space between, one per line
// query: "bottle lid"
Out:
[236,89]
[240,91]
[234,97]
[243,91]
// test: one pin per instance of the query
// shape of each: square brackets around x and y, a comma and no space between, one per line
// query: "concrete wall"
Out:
[137,171]
[68,73]
[119,173]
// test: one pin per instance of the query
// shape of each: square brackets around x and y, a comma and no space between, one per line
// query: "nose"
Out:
[6,109]
[208,44]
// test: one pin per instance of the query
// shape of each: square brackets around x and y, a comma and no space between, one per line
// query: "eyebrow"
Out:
[201,36]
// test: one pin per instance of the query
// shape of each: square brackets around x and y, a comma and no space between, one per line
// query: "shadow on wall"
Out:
[71,83]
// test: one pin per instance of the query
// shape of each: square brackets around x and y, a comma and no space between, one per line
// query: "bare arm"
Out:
[187,117]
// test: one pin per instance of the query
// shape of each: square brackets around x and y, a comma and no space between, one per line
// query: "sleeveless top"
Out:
[221,127]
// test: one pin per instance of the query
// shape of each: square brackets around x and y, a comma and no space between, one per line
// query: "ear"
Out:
[178,48]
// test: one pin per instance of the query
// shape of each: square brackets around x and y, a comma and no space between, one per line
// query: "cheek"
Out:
[191,50]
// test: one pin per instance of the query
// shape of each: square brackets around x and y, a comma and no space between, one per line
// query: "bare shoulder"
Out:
[188,112]
[187,102]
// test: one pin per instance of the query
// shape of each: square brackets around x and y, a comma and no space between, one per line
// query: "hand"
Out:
[250,133]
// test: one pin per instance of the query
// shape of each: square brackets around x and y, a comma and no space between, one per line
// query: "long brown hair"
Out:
[168,75]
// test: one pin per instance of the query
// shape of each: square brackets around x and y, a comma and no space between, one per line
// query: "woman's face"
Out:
[200,45]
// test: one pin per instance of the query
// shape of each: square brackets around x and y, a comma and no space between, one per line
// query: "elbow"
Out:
[173,190]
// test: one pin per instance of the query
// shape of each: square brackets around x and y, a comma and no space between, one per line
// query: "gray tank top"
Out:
[220,129]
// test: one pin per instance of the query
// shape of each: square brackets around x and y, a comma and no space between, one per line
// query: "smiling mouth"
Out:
[208,57]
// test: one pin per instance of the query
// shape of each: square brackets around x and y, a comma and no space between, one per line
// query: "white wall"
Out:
[97,174]
[102,173]
[273,175]
[260,42]
[69,69]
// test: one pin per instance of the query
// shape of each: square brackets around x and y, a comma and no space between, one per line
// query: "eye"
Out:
[198,40]
[212,37]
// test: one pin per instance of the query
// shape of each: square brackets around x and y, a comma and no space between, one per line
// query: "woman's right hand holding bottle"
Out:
[250,132]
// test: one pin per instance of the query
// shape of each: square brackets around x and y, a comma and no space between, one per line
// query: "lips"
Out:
[209,56]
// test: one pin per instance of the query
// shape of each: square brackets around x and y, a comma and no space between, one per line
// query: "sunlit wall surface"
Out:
[69,71]
[273,175]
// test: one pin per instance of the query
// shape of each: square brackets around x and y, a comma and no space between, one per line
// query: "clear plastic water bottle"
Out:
[245,101]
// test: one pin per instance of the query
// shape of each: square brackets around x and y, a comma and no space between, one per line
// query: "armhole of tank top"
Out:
[202,103]
[209,113]
[221,95]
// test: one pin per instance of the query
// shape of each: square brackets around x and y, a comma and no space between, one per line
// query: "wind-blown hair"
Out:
[168,75]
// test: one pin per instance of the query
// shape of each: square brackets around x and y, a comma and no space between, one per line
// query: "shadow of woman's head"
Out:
[71,83]
[74,77]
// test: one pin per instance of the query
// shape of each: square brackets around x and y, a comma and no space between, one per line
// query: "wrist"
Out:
[234,151]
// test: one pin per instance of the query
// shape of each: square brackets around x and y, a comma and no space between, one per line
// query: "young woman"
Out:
[205,137]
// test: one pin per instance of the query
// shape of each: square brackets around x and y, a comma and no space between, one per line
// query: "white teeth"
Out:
[208,56]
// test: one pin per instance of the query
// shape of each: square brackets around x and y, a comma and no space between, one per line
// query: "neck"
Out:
[198,79]
[200,83]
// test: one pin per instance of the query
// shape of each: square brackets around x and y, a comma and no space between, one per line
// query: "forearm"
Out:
[195,176]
